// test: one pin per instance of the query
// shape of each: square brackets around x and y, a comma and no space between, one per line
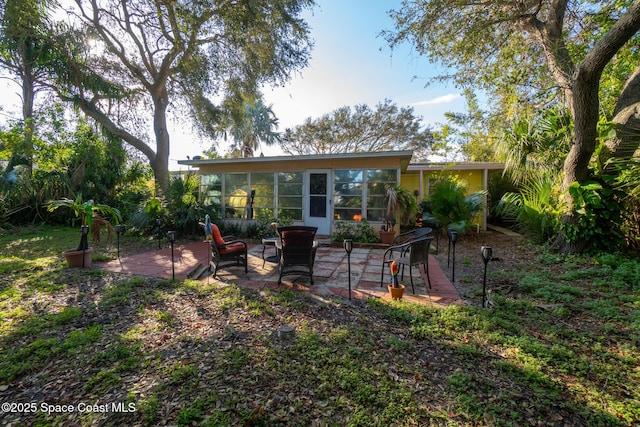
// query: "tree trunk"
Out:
[28,96]
[585,84]
[160,164]
[576,166]
[626,119]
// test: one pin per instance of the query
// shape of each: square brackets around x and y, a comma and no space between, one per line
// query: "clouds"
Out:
[444,99]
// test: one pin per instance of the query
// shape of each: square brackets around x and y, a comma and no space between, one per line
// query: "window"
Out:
[290,186]
[262,187]
[235,194]
[347,194]
[211,191]
[377,182]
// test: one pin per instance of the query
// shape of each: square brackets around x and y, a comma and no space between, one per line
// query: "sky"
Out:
[350,64]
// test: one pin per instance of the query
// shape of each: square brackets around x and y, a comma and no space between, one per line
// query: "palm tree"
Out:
[256,123]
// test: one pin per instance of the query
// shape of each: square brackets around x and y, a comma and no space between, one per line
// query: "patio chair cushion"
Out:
[231,248]
[217,237]
[227,250]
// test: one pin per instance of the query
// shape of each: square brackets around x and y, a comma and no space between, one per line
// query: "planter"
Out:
[386,237]
[74,258]
[396,293]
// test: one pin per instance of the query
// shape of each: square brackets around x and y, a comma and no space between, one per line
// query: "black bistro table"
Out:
[270,241]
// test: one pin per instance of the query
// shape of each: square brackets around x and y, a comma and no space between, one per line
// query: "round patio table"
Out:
[270,241]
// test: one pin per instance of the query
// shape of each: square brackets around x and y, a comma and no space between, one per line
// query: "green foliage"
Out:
[250,122]
[597,212]
[535,146]
[360,129]
[358,231]
[184,210]
[450,205]
[82,209]
[400,203]
[533,209]
[261,227]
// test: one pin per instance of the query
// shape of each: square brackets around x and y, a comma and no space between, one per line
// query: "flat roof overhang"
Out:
[403,157]
[455,166]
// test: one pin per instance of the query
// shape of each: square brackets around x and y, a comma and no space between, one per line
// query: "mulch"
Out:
[509,252]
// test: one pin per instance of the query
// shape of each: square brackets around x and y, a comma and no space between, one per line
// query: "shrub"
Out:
[358,231]
[532,209]
[450,205]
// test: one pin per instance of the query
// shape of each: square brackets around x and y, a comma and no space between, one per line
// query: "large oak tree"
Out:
[144,60]
[538,52]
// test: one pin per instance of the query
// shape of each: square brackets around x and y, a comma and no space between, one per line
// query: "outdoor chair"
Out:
[411,253]
[405,237]
[227,251]
[297,250]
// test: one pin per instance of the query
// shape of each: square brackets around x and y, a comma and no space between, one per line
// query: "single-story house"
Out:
[318,189]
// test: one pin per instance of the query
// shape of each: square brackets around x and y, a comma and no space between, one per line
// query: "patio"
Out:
[330,272]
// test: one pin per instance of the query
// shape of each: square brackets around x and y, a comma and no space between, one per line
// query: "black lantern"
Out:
[171,235]
[486,253]
[84,229]
[348,247]
[453,237]
[119,229]
[436,228]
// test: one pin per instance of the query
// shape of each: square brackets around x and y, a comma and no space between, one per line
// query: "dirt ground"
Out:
[509,252]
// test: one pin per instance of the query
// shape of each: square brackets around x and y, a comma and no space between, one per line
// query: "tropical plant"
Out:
[628,182]
[254,123]
[535,145]
[533,208]
[83,211]
[598,225]
[183,209]
[401,203]
[450,205]
[149,216]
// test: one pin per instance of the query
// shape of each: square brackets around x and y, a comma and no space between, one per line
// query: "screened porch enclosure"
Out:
[354,194]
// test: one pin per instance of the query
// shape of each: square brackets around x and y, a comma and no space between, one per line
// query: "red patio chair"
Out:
[227,251]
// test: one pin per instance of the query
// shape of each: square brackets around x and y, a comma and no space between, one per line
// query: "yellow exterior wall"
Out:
[410,181]
[473,179]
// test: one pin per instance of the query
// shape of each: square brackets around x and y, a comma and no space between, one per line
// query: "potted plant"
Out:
[81,256]
[401,203]
[396,290]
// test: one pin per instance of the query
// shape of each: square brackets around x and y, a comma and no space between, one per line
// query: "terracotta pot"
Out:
[387,236]
[74,258]
[396,293]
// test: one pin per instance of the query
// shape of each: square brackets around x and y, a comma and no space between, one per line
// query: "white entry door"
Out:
[318,200]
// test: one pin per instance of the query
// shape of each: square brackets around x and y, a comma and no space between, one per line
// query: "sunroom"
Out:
[313,190]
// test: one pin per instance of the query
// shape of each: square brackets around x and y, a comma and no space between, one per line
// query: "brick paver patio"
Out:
[330,272]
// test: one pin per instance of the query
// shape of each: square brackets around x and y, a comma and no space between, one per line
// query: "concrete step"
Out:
[198,272]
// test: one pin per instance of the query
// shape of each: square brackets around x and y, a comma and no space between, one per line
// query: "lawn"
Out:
[558,346]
